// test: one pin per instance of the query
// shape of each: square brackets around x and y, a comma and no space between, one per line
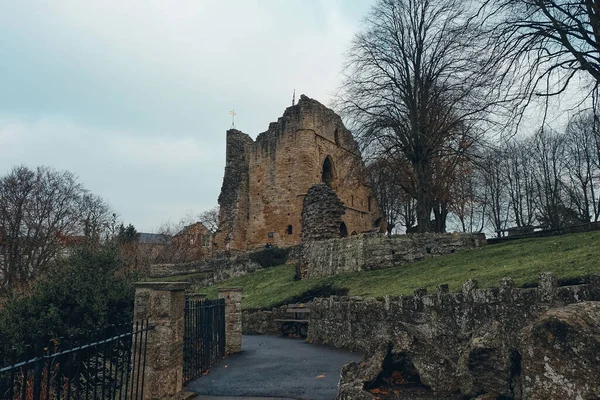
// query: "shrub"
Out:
[86,293]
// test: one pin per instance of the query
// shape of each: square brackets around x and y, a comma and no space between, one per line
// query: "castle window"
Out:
[327,174]
[369,203]
[290,229]
[352,201]
[271,235]
[336,136]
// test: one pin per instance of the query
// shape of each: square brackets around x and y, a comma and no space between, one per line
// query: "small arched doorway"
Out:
[343,230]
[327,173]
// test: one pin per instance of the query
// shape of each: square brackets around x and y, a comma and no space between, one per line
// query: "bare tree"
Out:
[210,219]
[416,81]
[544,44]
[382,175]
[519,174]
[496,193]
[39,211]
[582,167]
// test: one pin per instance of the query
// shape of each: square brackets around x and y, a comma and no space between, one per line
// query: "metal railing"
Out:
[203,338]
[107,368]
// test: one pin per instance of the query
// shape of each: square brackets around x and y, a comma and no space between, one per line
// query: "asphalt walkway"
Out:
[275,367]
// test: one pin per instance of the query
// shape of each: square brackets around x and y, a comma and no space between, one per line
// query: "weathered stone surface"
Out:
[322,213]
[561,354]
[355,374]
[162,304]
[372,251]
[468,340]
[266,180]
[263,322]
[487,366]
[233,319]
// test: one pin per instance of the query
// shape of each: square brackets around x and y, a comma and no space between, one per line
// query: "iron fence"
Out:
[203,338]
[108,368]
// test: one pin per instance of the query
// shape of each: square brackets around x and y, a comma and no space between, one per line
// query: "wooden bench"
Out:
[298,325]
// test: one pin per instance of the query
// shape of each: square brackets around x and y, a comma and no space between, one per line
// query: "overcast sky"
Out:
[134,97]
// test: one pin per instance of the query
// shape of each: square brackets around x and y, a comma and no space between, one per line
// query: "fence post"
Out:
[162,304]
[233,319]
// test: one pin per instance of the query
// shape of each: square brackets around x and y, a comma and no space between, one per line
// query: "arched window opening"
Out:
[327,175]
[336,136]
[290,229]
[369,203]
[351,200]
[377,223]
[343,230]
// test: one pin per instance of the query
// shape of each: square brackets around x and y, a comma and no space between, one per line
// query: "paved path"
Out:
[276,367]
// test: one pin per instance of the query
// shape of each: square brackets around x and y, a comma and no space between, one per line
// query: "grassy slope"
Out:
[569,257]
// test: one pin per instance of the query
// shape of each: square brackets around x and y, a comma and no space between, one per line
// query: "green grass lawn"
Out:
[570,257]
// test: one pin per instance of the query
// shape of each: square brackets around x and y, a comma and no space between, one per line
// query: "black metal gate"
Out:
[204,337]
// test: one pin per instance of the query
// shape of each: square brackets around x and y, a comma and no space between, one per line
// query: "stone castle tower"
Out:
[266,180]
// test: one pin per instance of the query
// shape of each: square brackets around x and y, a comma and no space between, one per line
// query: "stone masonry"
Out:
[162,304]
[233,319]
[322,213]
[472,342]
[376,251]
[266,180]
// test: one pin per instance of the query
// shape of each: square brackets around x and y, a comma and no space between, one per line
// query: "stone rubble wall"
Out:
[376,251]
[217,269]
[467,342]
[356,323]
[321,214]
[263,322]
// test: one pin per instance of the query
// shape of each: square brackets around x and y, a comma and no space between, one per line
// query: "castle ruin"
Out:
[267,179]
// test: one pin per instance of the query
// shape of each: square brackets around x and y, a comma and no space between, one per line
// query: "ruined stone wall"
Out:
[282,164]
[376,251]
[322,213]
[468,341]
[263,322]
[212,271]
[233,200]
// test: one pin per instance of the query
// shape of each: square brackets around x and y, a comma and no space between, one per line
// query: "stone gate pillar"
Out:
[196,296]
[162,304]
[233,319]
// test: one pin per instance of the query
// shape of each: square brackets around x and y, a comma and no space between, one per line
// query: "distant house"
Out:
[193,242]
[152,247]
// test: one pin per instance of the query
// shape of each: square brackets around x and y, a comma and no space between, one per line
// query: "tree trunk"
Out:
[424,195]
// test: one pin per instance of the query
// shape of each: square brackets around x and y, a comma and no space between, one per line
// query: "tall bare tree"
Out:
[544,44]
[417,79]
[583,165]
[39,211]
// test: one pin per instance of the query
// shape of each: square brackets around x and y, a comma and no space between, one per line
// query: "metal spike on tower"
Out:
[294,98]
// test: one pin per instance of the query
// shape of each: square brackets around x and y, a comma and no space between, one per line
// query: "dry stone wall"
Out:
[375,251]
[321,214]
[468,342]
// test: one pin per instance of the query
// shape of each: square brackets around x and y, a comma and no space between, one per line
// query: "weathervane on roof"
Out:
[232,113]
